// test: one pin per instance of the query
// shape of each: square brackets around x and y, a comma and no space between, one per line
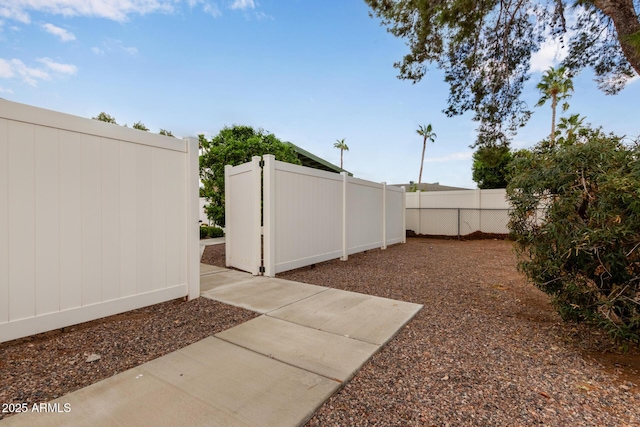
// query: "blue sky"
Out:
[310,72]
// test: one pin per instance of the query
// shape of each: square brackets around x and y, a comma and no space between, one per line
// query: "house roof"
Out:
[312,161]
[431,187]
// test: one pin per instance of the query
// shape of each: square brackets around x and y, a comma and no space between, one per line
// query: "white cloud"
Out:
[550,54]
[12,10]
[3,90]
[117,10]
[464,155]
[15,68]
[212,9]
[113,45]
[243,4]
[58,67]
[6,72]
[261,16]
[64,35]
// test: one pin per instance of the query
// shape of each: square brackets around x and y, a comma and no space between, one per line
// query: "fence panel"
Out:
[76,239]
[365,210]
[454,213]
[242,216]
[438,222]
[303,216]
[394,215]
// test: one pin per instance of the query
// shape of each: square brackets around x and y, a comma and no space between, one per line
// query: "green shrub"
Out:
[214,232]
[207,232]
[584,249]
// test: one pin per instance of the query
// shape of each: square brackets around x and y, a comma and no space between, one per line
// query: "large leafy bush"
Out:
[234,146]
[576,224]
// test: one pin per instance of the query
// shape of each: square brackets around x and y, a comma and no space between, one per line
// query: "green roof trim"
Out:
[312,161]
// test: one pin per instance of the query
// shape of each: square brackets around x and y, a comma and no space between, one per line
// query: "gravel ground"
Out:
[43,367]
[487,349]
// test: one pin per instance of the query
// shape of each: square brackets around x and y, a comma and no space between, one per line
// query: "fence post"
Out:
[256,244]
[458,223]
[269,219]
[404,214]
[384,215]
[228,239]
[345,178]
[193,218]
[419,212]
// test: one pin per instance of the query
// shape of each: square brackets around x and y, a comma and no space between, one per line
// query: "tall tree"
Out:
[342,146]
[427,133]
[555,86]
[233,146]
[490,166]
[484,48]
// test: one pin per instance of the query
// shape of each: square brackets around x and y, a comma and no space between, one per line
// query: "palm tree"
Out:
[555,85]
[427,133]
[340,145]
[571,127]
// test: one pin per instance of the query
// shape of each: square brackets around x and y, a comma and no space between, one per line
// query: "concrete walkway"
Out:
[274,370]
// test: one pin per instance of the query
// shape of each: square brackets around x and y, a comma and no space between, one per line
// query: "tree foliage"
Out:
[491,166]
[572,130]
[576,224]
[104,117]
[140,126]
[485,47]
[233,146]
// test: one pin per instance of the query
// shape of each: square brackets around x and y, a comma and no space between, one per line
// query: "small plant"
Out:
[207,232]
[215,232]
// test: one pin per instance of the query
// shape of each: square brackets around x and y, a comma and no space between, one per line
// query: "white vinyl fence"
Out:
[458,213]
[309,216]
[95,219]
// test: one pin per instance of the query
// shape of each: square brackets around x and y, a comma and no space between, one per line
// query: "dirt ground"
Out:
[487,348]
[490,259]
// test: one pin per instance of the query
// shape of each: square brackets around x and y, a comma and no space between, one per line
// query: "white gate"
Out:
[309,216]
[242,216]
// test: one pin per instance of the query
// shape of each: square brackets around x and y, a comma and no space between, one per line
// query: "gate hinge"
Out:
[261,269]
[261,163]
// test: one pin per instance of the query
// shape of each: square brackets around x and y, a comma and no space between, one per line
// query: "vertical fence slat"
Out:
[4,221]
[47,220]
[110,220]
[70,249]
[404,215]
[256,218]
[230,237]
[345,182]
[21,187]
[384,215]
[128,220]
[269,206]
[192,193]
[159,220]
